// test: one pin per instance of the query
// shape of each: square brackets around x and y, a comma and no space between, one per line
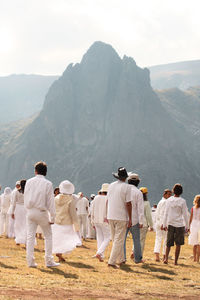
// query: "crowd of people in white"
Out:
[67,219]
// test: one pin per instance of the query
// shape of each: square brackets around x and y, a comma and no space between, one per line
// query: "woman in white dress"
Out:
[5,204]
[194,237]
[18,213]
[64,230]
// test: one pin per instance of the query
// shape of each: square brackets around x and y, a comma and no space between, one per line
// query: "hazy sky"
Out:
[44,36]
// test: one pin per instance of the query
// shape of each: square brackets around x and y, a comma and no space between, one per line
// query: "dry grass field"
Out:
[84,277]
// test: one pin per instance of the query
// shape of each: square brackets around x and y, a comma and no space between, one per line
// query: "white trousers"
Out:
[103,237]
[82,222]
[36,217]
[4,218]
[161,235]
[118,231]
[143,234]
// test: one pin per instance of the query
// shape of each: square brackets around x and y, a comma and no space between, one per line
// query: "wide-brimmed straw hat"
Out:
[66,187]
[104,188]
[121,174]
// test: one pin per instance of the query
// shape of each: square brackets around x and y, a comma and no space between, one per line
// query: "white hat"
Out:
[17,182]
[133,176]
[66,187]
[104,187]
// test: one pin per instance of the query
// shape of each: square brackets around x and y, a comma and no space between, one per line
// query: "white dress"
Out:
[194,238]
[19,212]
[64,237]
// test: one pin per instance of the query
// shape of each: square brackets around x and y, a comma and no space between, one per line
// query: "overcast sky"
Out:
[44,36]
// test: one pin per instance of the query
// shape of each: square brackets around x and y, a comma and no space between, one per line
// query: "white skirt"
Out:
[20,224]
[194,233]
[64,238]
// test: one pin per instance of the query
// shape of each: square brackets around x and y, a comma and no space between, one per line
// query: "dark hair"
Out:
[103,193]
[177,189]
[134,182]
[56,189]
[166,191]
[41,168]
[145,197]
[22,185]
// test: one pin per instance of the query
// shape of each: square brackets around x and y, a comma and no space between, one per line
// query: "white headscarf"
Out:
[6,199]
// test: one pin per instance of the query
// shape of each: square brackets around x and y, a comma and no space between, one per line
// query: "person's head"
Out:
[121,174]
[22,185]
[66,187]
[17,185]
[144,191]
[92,196]
[80,194]
[41,168]
[155,206]
[167,193]
[56,191]
[104,188]
[7,191]
[177,189]
[133,179]
[196,201]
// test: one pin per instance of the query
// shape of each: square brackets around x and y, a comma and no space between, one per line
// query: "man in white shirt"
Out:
[161,235]
[39,202]
[119,215]
[82,212]
[99,220]
[137,216]
[175,221]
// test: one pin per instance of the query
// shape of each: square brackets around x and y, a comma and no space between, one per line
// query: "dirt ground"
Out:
[84,277]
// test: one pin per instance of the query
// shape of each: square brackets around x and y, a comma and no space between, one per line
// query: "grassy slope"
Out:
[83,277]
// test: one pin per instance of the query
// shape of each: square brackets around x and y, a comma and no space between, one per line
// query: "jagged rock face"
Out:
[102,114]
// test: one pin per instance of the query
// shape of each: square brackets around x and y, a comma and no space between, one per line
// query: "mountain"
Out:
[22,95]
[99,115]
[181,75]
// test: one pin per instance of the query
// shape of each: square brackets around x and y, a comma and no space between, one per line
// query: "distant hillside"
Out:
[100,114]
[181,75]
[22,95]
[184,107]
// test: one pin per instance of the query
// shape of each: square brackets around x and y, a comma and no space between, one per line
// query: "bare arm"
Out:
[191,216]
[129,210]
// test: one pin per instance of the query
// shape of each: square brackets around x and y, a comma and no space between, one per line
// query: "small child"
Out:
[194,238]
[175,221]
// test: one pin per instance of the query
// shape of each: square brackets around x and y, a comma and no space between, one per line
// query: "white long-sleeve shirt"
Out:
[98,211]
[160,212]
[137,205]
[38,194]
[176,213]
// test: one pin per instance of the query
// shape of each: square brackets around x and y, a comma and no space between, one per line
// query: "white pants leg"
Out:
[161,235]
[3,222]
[36,217]
[143,233]
[99,235]
[118,231]
[105,231]
[82,222]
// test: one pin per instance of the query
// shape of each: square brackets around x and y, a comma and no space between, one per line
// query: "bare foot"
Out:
[165,262]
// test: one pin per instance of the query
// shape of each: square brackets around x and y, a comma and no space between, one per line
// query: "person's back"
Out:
[117,194]
[82,206]
[176,212]
[99,209]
